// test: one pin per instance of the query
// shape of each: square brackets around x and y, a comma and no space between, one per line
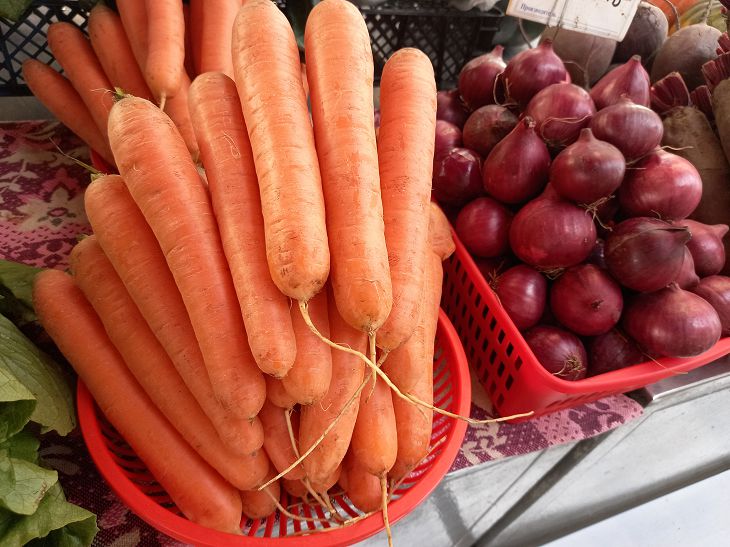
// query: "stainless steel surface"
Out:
[689,381]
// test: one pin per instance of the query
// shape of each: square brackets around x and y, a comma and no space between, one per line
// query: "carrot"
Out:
[283,146]
[277,442]
[276,393]
[309,378]
[117,221]
[340,77]
[259,504]
[133,14]
[361,487]
[374,440]
[194,29]
[148,362]
[347,375]
[167,188]
[177,109]
[59,96]
[165,62]
[439,233]
[215,30]
[226,153]
[72,324]
[294,488]
[405,156]
[112,48]
[328,481]
[189,61]
[74,53]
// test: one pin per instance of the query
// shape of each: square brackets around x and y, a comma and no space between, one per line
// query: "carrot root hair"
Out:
[163,101]
[384,498]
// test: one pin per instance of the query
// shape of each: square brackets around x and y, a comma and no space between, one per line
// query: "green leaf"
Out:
[42,377]
[13,9]
[16,288]
[16,403]
[23,485]
[22,446]
[56,521]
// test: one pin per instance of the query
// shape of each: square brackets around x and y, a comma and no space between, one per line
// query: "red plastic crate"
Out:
[507,368]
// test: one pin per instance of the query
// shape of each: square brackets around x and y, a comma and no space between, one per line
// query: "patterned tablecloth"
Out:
[41,216]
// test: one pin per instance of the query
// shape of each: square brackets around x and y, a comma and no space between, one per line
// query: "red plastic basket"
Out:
[136,487]
[507,368]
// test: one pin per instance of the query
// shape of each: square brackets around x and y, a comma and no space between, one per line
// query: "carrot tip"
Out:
[163,101]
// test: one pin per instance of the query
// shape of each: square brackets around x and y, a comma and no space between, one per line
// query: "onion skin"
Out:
[552,233]
[450,108]
[645,254]
[560,352]
[632,128]
[672,322]
[586,300]
[457,177]
[715,289]
[516,181]
[530,71]
[612,351]
[486,127]
[687,277]
[522,291]
[598,256]
[448,137]
[483,227]
[561,111]
[476,79]
[491,268]
[628,80]
[706,246]
[661,184]
[588,169]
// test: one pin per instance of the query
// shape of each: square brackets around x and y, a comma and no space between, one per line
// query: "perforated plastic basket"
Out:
[507,368]
[132,482]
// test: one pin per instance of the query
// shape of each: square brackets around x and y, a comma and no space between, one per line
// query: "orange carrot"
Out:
[177,109]
[405,156]
[439,233]
[277,441]
[189,61]
[229,166]
[165,184]
[117,221]
[215,29]
[58,95]
[275,110]
[347,375]
[276,393]
[194,29]
[72,324]
[309,378]
[294,488]
[148,362]
[133,14]
[74,53]
[112,48]
[259,504]
[340,76]
[361,487]
[165,62]
[322,486]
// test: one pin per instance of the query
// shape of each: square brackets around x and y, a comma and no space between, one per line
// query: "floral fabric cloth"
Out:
[41,217]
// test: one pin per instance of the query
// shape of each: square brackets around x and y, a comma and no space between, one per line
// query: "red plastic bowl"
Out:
[136,487]
[507,368]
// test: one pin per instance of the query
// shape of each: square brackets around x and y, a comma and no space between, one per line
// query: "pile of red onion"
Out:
[576,216]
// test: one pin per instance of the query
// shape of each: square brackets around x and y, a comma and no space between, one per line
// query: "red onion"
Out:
[716,290]
[687,277]
[612,351]
[476,79]
[628,80]
[449,107]
[517,168]
[632,128]
[448,137]
[606,211]
[662,184]
[530,71]
[561,111]
[672,322]
[560,352]
[552,233]
[522,291]
[487,126]
[490,268]
[645,254]
[597,255]
[483,227]
[457,178]
[586,300]
[588,169]
[706,246]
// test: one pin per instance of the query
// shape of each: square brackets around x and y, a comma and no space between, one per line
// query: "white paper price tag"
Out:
[608,18]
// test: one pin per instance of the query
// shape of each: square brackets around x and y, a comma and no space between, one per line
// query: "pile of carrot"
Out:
[271,325]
